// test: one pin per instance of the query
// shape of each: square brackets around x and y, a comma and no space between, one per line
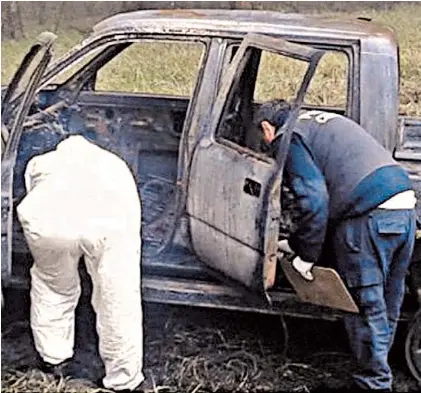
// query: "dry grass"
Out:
[282,77]
[137,69]
[158,67]
[192,352]
[198,350]
[406,22]
[35,381]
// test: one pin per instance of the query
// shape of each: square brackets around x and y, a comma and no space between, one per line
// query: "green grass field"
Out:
[136,70]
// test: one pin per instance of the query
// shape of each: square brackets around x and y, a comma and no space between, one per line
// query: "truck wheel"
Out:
[413,346]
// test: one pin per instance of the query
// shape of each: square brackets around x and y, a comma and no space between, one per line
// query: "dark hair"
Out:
[275,112]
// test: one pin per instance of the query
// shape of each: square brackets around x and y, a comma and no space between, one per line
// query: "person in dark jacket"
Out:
[352,195]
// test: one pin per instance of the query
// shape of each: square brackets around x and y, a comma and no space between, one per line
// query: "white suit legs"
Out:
[55,292]
[116,298]
[113,263]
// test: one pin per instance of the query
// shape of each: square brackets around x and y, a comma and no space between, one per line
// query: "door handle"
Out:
[252,187]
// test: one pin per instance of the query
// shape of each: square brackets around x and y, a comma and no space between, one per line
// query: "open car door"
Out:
[15,106]
[233,196]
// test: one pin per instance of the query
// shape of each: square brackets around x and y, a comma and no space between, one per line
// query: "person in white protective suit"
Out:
[83,201]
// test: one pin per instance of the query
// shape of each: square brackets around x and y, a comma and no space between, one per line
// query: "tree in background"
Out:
[11,20]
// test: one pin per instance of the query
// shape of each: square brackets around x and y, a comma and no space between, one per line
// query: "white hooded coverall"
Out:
[83,201]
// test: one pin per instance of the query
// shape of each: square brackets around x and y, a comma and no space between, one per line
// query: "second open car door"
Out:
[233,199]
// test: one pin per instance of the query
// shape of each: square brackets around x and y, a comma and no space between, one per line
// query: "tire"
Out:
[413,346]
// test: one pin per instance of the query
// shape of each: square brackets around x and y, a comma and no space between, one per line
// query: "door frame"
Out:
[265,272]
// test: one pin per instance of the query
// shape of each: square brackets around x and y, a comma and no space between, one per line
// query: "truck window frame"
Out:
[228,56]
[104,43]
[349,48]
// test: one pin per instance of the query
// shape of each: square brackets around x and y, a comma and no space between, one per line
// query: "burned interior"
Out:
[143,128]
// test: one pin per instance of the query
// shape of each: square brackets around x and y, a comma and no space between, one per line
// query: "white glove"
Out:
[283,246]
[304,268]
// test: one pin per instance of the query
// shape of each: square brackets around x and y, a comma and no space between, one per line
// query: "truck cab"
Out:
[213,202]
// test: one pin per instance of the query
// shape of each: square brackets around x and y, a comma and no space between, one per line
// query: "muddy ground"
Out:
[199,350]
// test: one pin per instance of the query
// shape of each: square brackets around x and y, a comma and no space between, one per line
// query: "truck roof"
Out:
[239,22]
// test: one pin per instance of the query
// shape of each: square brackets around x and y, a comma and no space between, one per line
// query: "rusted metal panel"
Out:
[409,139]
[17,103]
[223,22]
[185,13]
[233,192]
[273,208]
[222,252]
[220,195]
[200,293]
[6,236]
[379,83]
[226,216]
[286,48]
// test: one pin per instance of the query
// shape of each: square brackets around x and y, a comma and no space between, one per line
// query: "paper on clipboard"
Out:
[327,288]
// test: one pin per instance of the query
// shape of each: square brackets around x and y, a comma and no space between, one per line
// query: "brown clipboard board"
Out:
[327,288]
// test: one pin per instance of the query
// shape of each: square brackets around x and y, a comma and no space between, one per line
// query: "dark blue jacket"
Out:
[336,170]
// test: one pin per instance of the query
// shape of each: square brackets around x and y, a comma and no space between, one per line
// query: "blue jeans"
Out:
[373,253]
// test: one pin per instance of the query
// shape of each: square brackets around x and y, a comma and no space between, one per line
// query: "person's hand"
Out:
[419,296]
[304,268]
[283,246]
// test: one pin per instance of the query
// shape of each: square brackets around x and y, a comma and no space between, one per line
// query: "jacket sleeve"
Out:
[308,186]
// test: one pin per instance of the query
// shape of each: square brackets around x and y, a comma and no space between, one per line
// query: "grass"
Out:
[406,22]
[205,351]
[280,77]
[153,67]
[137,70]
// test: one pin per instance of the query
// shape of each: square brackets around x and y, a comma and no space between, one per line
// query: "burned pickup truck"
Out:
[212,213]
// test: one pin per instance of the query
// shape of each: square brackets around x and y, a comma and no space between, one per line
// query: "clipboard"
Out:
[327,288]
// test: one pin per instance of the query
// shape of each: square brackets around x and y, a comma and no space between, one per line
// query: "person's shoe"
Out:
[146,386]
[61,370]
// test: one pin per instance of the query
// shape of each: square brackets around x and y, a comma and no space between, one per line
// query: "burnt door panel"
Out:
[233,197]
[16,104]
[227,223]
